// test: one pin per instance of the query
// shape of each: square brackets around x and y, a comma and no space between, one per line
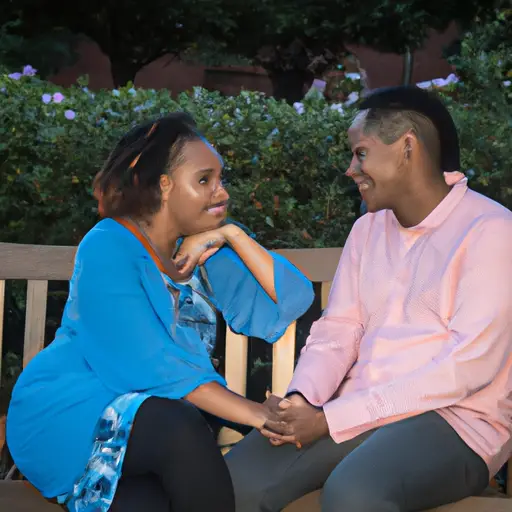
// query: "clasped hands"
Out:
[293,420]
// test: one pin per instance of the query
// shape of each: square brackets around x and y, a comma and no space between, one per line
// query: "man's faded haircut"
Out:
[389,125]
[389,113]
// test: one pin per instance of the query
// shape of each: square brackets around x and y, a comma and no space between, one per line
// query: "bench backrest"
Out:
[38,264]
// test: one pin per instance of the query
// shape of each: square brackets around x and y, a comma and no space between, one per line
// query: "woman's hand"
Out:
[220,401]
[196,249]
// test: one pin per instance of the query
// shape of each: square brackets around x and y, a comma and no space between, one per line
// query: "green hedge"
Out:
[284,169]
[284,165]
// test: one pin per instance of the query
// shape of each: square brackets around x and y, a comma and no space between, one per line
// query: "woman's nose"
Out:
[221,194]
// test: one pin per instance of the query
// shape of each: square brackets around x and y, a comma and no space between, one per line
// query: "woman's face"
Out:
[197,199]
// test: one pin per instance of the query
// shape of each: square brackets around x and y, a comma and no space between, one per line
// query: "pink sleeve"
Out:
[478,339]
[332,346]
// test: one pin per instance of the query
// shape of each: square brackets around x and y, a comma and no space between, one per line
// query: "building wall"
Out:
[167,72]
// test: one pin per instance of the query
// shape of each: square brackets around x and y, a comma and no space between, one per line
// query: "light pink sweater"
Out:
[420,319]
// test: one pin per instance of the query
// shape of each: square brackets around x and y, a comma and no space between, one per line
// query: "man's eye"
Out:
[204,180]
[361,154]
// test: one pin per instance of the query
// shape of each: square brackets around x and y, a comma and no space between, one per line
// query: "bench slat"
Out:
[325,291]
[2,307]
[236,362]
[319,265]
[44,262]
[37,292]
[283,361]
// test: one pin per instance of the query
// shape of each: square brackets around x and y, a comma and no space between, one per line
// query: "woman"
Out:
[128,351]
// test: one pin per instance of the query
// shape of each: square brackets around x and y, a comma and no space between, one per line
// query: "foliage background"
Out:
[284,163]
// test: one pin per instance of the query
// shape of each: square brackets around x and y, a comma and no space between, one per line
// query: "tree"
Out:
[299,39]
[130,32]
[47,52]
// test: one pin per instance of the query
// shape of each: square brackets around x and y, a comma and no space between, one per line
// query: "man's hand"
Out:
[273,404]
[299,423]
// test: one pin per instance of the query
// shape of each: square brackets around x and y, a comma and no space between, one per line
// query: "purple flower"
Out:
[58,97]
[29,71]
[69,114]
[15,76]
[319,84]
[46,98]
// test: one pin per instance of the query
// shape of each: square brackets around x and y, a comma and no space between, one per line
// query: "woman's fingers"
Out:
[181,261]
[278,440]
[279,427]
[207,254]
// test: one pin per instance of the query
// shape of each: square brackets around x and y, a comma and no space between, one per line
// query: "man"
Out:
[401,398]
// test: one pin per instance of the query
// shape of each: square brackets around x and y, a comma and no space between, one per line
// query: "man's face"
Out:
[376,168]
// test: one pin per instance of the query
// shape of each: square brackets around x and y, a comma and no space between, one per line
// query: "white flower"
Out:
[338,107]
[506,83]
[439,82]
[299,107]
[425,85]
[452,79]
[353,76]
[352,98]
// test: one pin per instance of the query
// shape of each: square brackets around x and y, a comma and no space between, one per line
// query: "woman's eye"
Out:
[203,180]
[361,154]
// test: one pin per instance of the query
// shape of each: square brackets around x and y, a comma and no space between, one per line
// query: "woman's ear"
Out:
[166,186]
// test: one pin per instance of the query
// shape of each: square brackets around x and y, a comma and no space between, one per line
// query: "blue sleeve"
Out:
[125,317]
[246,307]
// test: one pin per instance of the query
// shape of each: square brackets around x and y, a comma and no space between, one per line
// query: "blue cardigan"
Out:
[117,336]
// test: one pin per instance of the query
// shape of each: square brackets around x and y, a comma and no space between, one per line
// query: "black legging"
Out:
[173,463]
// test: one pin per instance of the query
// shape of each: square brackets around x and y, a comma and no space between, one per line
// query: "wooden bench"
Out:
[40,264]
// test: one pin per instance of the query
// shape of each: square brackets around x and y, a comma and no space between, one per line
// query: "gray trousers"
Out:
[412,465]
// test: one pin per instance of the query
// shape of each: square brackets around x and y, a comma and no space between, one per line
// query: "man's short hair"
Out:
[390,125]
[411,108]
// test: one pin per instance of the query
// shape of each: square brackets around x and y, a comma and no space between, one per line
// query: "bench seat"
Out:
[19,496]
[493,502]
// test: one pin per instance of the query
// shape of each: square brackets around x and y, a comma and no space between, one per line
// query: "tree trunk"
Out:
[122,71]
[290,85]
[408,64]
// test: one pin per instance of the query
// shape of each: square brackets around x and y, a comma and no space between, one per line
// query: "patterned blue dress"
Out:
[95,489]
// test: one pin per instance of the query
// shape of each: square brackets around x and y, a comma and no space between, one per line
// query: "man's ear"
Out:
[410,145]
